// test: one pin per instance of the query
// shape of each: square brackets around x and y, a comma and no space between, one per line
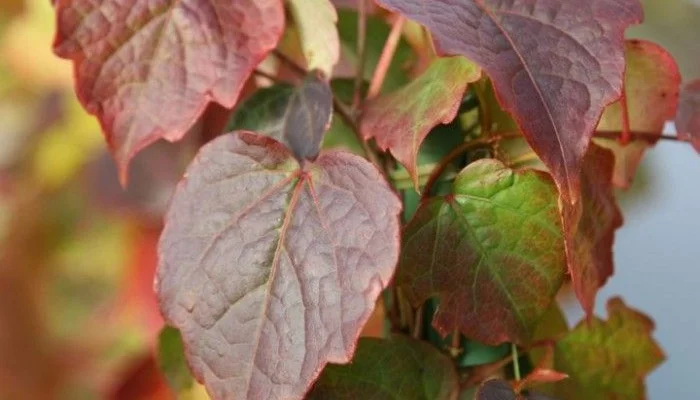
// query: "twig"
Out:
[299,70]
[651,137]
[418,323]
[385,59]
[361,52]
[346,115]
[266,75]
[516,362]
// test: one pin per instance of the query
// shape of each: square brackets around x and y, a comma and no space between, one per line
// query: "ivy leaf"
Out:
[295,116]
[395,368]
[544,59]
[652,83]
[589,227]
[171,360]
[400,121]
[148,70]
[316,21]
[496,389]
[269,269]
[491,251]
[608,359]
[688,118]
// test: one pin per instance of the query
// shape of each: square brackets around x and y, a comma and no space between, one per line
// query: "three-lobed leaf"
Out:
[147,70]
[544,57]
[295,116]
[590,225]
[688,118]
[652,84]
[401,120]
[492,251]
[387,369]
[608,359]
[270,269]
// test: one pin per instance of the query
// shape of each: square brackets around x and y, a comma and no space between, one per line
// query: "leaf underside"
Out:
[271,270]
[492,252]
[543,57]
[147,69]
[388,369]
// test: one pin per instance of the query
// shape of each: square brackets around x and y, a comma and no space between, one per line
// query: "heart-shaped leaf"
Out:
[652,84]
[395,368]
[400,121]
[590,225]
[269,269]
[295,116]
[492,252]
[148,70]
[608,359]
[688,118]
[544,57]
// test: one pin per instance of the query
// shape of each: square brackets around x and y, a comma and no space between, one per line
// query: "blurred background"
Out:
[78,319]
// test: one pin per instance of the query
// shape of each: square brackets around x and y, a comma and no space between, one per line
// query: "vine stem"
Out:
[651,137]
[516,362]
[625,135]
[418,323]
[385,58]
[361,52]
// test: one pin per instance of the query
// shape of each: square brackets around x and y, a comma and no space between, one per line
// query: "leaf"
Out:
[651,89]
[316,21]
[295,116]
[545,60]
[148,70]
[609,359]
[271,270]
[401,120]
[688,118]
[492,252]
[496,389]
[589,227]
[395,368]
[171,359]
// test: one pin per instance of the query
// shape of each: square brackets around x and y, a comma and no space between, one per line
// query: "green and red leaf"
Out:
[610,359]
[270,269]
[148,70]
[544,57]
[652,85]
[394,368]
[492,252]
[401,120]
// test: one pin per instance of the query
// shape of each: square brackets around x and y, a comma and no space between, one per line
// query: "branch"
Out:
[651,137]
[385,59]
[361,52]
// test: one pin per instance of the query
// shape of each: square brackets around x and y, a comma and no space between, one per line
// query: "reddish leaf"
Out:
[589,227]
[608,360]
[544,57]
[271,270]
[652,83]
[491,251]
[539,376]
[401,120]
[149,69]
[688,118]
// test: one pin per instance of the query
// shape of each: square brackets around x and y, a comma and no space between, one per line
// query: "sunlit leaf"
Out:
[295,116]
[688,118]
[316,20]
[610,359]
[269,269]
[590,225]
[400,121]
[491,251]
[171,359]
[651,88]
[148,70]
[387,369]
[544,59]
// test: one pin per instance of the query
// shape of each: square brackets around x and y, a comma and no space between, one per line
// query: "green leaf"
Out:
[492,252]
[395,368]
[171,359]
[295,116]
[377,33]
[401,120]
[608,360]
[315,20]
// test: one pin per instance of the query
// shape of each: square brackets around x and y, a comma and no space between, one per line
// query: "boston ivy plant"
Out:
[446,166]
